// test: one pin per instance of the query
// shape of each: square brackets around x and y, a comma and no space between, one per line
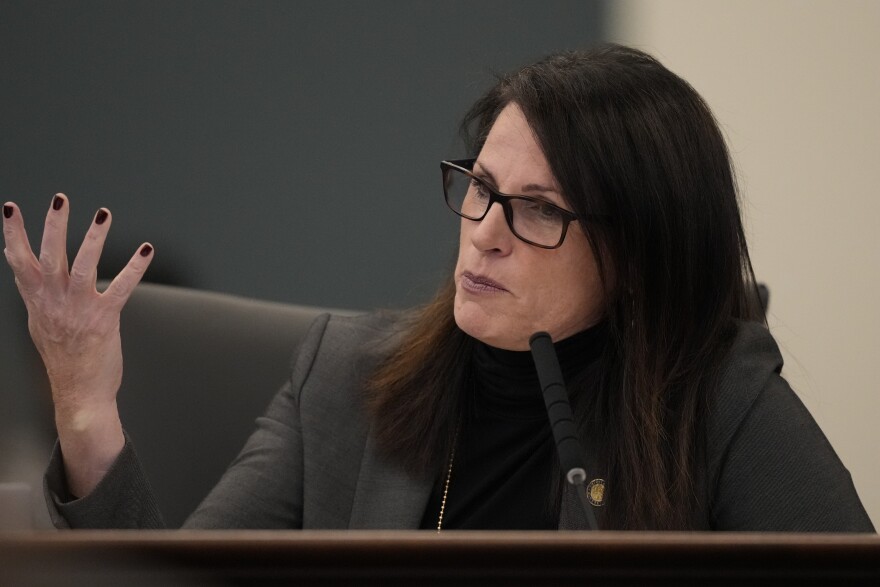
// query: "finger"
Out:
[53,250]
[18,250]
[84,271]
[121,287]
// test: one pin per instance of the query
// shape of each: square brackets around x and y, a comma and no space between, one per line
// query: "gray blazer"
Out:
[312,462]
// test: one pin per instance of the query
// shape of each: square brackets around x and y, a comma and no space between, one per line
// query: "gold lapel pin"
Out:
[596,492]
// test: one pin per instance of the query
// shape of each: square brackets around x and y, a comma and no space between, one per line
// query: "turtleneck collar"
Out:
[506,383]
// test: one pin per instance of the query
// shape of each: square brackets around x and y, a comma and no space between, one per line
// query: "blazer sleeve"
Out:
[261,489]
[123,499]
[778,472]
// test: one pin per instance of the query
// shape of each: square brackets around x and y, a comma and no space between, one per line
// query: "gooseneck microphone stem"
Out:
[561,419]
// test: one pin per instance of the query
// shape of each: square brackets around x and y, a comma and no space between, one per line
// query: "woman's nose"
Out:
[492,232]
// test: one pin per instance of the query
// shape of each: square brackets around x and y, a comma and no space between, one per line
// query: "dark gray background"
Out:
[280,150]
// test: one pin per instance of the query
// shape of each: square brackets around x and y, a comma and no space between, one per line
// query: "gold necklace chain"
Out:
[448,479]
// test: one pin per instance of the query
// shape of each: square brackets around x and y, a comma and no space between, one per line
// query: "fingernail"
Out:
[101,216]
[146,250]
[57,203]
[7,211]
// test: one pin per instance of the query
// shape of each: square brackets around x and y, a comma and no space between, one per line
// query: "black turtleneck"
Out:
[504,455]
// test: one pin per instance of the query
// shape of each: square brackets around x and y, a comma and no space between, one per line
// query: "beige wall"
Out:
[796,87]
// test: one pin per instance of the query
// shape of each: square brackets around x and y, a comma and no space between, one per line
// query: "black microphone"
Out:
[561,418]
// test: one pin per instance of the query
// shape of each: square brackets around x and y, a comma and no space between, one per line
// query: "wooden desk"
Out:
[176,557]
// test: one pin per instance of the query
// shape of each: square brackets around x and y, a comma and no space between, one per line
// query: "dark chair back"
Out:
[199,368]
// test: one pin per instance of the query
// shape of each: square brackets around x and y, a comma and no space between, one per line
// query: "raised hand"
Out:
[76,331]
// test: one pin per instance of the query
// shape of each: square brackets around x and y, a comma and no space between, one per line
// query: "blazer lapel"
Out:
[571,512]
[386,496]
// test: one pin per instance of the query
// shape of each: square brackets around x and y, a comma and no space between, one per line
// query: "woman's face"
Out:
[506,289]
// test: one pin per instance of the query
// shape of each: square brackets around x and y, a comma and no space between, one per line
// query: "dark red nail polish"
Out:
[7,211]
[101,216]
[146,250]
[57,203]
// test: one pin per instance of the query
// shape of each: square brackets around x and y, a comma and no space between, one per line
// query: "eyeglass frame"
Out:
[466,166]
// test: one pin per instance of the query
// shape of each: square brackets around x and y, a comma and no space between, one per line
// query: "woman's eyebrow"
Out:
[529,187]
[536,187]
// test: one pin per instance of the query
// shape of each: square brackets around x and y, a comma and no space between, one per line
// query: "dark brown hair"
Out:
[627,139]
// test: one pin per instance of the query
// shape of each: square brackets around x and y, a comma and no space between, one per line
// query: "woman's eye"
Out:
[549,211]
[479,189]
[543,212]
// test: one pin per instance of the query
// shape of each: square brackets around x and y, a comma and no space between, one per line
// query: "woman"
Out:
[616,230]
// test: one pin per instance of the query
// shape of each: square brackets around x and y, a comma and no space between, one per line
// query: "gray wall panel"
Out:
[281,150]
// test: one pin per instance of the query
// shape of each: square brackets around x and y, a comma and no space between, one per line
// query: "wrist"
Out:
[85,419]
[91,439]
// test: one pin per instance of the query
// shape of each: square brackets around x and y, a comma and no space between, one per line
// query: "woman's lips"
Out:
[480,284]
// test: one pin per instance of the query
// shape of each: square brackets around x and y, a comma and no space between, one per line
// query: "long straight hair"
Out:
[629,140]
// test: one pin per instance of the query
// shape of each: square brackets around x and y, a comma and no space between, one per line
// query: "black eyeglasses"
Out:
[532,220]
